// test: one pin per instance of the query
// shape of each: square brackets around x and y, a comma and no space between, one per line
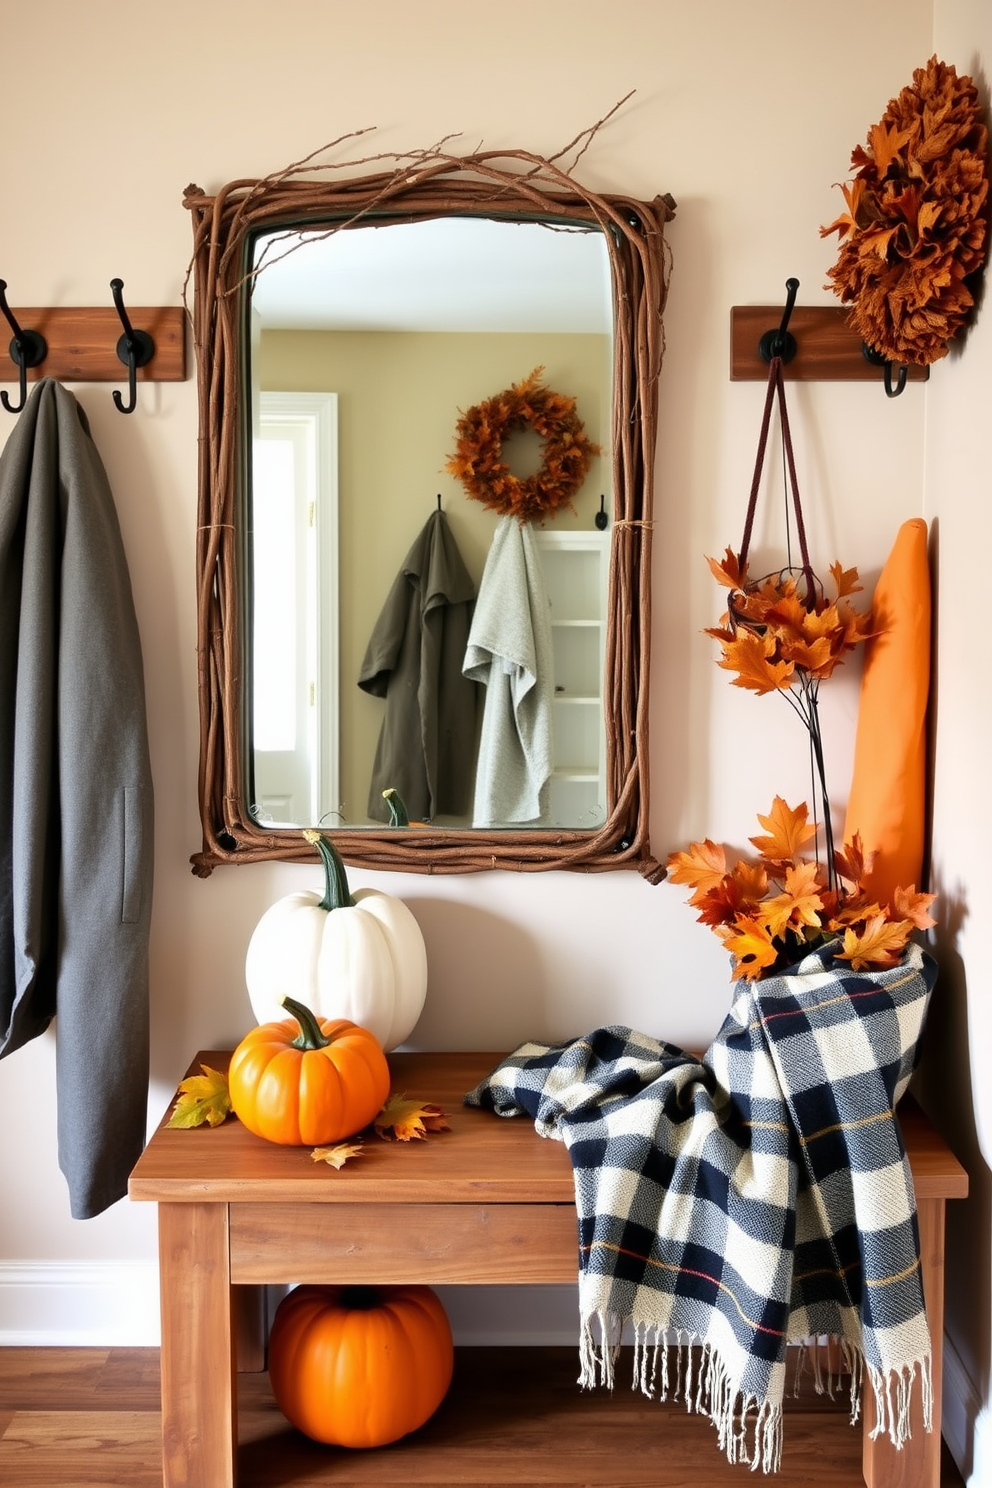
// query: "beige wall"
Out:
[746,113]
[399,399]
[955,1074]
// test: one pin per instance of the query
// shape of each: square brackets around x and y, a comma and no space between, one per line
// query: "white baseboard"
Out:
[86,1304]
[966,1421]
[115,1304]
[487,1317]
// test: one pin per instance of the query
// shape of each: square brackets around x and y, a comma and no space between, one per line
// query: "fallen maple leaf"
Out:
[202,1098]
[337,1156]
[401,1120]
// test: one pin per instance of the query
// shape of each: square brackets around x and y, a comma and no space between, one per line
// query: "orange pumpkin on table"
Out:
[307,1082]
[360,1366]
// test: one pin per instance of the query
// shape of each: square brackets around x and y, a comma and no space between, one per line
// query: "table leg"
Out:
[199,1390]
[248,1304]
[918,1464]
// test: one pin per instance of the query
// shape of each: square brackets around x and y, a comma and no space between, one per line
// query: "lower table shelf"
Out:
[515,1416]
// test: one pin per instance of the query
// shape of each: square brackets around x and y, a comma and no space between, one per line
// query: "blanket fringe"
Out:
[893,1394]
[683,1366]
[836,1362]
[837,1359]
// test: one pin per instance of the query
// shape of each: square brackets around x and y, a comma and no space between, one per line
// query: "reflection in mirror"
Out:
[344,326]
[400,329]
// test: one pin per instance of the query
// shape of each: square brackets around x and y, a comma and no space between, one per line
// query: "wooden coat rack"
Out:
[823,347]
[94,344]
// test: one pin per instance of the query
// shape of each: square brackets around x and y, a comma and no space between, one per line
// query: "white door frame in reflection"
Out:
[295,585]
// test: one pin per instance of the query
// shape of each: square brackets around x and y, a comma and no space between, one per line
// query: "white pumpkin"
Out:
[358,956]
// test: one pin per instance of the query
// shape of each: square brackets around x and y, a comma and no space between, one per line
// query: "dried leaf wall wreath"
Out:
[914,233]
[478,459]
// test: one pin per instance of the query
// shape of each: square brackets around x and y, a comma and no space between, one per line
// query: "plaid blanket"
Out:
[757,1197]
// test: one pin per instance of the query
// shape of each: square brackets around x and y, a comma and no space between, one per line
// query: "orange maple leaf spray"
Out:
[772,911]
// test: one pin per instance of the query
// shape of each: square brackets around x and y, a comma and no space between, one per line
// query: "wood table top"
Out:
[483,1159]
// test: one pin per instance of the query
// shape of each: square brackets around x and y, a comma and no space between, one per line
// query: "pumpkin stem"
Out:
[310,1035]
[398,816]
[337,894]
[360,1298]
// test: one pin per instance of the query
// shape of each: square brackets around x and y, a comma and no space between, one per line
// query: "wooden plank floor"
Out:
[88,1418]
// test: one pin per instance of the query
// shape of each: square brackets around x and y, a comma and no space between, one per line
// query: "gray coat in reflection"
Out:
[75,795]
[414,660]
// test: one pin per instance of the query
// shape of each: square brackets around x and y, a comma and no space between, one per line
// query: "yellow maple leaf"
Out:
[752,658]
[337,1156]
[854,863]
[730,571]
[752,879]
[880,943]
[788,830]
[402,1120]
[909,905]
[799,904]
[202,1098]
[845,580]
[703,866]
[814,657]
[751,946]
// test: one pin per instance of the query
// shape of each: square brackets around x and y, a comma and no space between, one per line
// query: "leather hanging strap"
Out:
[776,389]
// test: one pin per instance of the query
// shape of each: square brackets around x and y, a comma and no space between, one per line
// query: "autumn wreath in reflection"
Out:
[915,227]
[478,458]
[769,911]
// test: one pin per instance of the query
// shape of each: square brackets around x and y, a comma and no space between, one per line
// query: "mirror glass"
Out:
[366,347]
[347,327]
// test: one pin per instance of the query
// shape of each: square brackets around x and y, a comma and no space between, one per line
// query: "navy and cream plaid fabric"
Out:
[756,1197]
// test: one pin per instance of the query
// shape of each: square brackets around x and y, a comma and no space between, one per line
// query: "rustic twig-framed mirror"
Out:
[240,236]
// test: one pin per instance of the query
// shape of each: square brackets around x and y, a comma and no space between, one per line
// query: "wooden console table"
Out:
[488,1202]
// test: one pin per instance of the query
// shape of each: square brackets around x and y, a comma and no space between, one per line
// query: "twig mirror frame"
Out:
[513,185]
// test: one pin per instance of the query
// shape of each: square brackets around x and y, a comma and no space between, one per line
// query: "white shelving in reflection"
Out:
[575,569]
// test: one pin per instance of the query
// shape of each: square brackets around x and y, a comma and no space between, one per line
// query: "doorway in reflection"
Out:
[294,592]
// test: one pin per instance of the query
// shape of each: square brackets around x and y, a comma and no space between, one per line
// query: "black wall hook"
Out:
[135,349]
[601,520]
[27,349]
[781,343]
[879,359]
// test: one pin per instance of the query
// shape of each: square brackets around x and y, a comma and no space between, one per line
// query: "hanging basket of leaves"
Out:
[783,633]
[914,233]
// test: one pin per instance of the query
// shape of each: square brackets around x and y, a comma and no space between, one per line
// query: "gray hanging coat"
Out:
[75,795]
[414,660]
